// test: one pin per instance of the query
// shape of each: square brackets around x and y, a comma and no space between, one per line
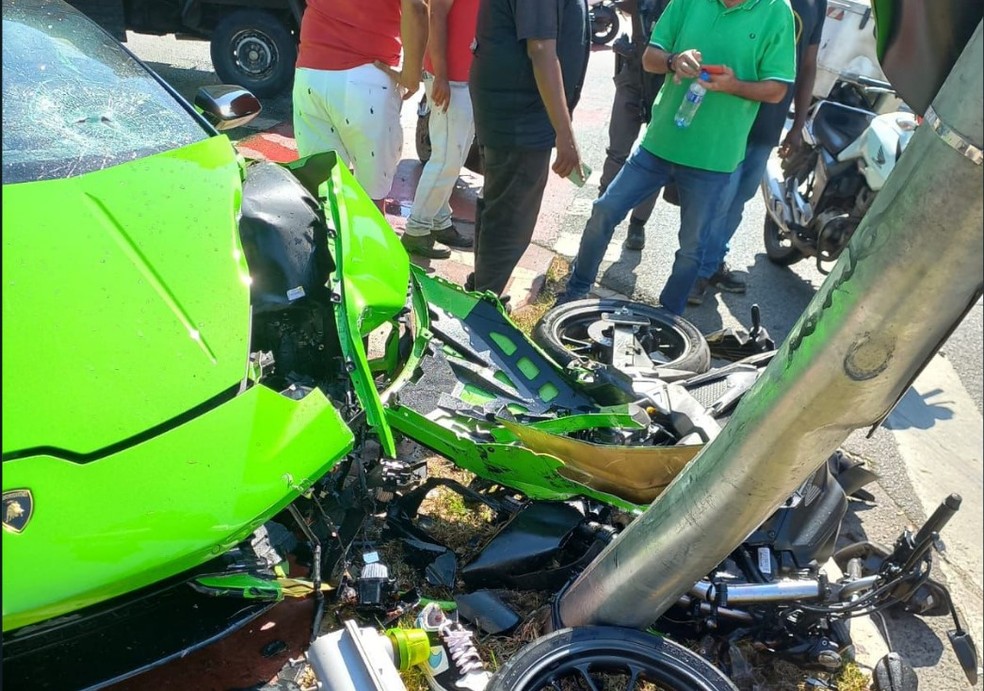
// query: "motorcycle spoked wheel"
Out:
[607,657]
[604,24]
[568,333]
[778,247]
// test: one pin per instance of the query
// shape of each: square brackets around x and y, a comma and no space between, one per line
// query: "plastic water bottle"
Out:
[691,102]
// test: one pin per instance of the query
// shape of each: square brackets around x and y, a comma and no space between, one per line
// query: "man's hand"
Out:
[441,93]
[568,156]
[686,65]
[407,80]
[791,142]
[724,82]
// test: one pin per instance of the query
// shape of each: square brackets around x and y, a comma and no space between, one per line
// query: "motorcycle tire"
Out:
[423,143]
[423,139]
[580,656]
[778,249]
[688,349]
[604,24]
[255,50]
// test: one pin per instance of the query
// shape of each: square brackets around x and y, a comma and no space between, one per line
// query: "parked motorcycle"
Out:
[603,17]
[817,196]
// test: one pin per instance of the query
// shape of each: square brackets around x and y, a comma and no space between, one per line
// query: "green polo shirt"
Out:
[756,39]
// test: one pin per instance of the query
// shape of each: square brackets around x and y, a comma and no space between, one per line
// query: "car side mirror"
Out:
[226,106]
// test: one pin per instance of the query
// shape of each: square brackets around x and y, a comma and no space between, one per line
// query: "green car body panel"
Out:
[149,434]
[371,276]
[502,460]
[128,413]
[108,287]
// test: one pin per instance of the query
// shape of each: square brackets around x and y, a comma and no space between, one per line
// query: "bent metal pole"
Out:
[912,269]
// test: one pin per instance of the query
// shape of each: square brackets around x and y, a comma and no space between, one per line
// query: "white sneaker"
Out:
[454,661]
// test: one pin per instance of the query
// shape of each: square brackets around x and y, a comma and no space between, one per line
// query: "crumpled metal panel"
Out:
[635,473]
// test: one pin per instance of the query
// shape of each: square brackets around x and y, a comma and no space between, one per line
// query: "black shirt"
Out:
[509,112]
[808,16]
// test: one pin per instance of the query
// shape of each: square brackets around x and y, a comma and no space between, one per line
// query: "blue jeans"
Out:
[744,185]
[702,194]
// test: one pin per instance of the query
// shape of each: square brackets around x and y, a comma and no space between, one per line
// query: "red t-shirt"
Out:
[461,33]
[342,34]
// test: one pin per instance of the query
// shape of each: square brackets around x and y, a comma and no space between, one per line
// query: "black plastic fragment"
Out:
[443,570]
[487,611]
[525,544]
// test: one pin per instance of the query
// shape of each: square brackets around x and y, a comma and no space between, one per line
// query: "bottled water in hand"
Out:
[691,102]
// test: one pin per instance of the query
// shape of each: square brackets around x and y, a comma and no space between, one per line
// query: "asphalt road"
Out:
[930,446]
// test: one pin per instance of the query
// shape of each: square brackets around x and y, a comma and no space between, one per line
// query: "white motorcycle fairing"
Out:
[879,146]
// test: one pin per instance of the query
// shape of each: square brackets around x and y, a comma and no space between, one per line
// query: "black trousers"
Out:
[507,213]
[623,129]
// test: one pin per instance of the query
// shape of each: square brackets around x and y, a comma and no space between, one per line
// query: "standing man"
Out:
[347,90]
[809,15]
[751,42]
[635,91]
[530,61]
[452,128]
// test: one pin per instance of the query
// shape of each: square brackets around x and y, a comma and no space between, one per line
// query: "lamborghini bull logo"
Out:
[18,506]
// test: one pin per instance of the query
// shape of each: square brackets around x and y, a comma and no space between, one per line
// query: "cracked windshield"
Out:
[74,102]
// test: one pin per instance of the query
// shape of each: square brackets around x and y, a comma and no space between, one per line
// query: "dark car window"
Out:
[74,101]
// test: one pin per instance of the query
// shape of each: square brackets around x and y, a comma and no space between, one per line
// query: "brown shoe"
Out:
[452,238]
[424,246]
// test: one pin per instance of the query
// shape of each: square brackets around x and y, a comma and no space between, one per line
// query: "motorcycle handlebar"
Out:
[869,82]
[935,523]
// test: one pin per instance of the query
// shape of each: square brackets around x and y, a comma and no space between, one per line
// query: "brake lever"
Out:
[963,645]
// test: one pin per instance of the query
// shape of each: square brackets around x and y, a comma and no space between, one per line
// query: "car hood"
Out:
[125,300]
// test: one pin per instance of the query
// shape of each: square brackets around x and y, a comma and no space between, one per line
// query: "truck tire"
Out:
[254,49]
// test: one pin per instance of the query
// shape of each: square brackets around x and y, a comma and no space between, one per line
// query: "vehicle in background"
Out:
[817,196]
[253,42]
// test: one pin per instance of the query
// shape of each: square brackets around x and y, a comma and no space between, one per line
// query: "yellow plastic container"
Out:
[412,646]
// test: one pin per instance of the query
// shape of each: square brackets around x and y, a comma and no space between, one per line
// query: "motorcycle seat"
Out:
[835,126]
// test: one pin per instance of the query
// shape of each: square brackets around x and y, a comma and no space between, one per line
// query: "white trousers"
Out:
[356,113]
[451,135]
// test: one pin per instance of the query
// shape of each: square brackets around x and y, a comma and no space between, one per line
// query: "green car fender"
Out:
[371,277]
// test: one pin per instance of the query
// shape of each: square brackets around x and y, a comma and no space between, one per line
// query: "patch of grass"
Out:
[852,678]
[760,669]
[462,526]
[527,316]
